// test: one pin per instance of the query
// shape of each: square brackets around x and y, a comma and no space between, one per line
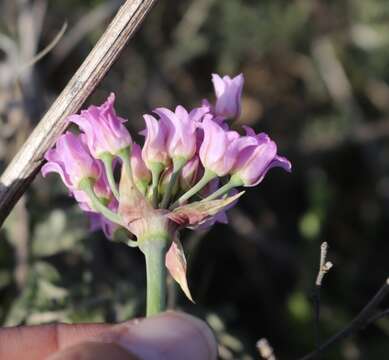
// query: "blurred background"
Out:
[317,76]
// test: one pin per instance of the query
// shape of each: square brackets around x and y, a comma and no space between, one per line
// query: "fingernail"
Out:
[170,336]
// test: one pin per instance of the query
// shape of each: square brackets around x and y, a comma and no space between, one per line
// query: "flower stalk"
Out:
[86,185]
[178,164]
[154,251]
[107,160]
[155,175]
[207,177]
[231,184]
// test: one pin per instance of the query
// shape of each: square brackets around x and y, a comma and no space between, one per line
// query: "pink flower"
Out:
[228,93]
[181,139]
[220,148]
[190,173]
[255,161]
[139,169]
[105,132]
[155,149]
[71,160]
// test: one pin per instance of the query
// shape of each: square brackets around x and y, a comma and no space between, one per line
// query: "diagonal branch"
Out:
[359,322]
[28,160]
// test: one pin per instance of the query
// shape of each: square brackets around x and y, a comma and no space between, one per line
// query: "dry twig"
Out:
[364,318]
[324,267]
[28,160]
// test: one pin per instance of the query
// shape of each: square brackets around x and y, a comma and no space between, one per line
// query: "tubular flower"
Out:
[220,148]
[104,130]
[139,169]
[181,139]
[228,93]
[255,161]
[155,149]
[176,180]
[71,160]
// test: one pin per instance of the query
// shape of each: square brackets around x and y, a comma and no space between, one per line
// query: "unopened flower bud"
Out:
[228,92]
[181,138]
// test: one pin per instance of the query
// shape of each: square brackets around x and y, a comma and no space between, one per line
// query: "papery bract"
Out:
[105,132]
[71,160]
[228,93]
[220,217]
[176,264]
[196,213]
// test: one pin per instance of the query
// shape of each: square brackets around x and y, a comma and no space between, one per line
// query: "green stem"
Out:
[87,186]
[155,174]
[107,159]
[124,155]
[207,177]
[232,183]
[178,164]
[155,253]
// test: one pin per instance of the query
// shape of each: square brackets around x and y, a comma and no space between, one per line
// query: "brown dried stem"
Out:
[28,160]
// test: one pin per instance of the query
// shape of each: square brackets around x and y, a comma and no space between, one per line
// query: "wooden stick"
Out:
[27,162]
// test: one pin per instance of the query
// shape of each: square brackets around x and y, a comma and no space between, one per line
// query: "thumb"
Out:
[168,336]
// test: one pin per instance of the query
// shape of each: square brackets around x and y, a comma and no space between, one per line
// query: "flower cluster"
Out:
[185,175]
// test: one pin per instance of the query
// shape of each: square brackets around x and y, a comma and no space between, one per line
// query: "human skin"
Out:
[168,336]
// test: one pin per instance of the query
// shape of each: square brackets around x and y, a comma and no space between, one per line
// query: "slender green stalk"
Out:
[232,183]
[124,155]
[207,177]
[87,186]
[155,253]
[155,174]
[178,164]
[107,159]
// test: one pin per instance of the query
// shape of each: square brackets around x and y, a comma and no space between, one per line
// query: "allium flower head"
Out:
[186,174]
[228,93]
[104,130]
